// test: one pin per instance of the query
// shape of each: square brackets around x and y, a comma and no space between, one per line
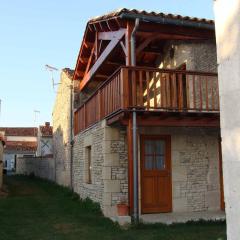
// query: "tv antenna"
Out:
[36,112]
[51,70]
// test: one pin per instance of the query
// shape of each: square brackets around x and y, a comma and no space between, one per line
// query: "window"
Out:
[88,164]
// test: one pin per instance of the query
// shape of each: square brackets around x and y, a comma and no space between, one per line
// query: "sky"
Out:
[35,33]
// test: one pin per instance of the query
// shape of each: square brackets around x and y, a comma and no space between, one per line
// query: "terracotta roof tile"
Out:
[21,146]
[20,131]
[146,13]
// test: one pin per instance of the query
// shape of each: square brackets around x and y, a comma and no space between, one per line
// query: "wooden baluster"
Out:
[134,89]
[148,94]
[168,96]
[125,88]
[194,93]
[206,86]
[174,94]
[141,88]
[217,92]
[213,98]
[161,89]
[180,92]
[187,91]
[200,92]
[155,89]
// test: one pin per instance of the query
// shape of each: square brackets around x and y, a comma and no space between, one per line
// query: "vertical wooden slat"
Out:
[155,89]
[213,98]
[148,90]
[167,87]
[187,91]
[194,92]
[174,95]
[141,88]
[134,88]
[200,93]
[206,86]
[180,91]
[217,90]
[161,90]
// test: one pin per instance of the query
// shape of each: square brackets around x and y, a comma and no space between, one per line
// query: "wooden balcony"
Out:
[151,90]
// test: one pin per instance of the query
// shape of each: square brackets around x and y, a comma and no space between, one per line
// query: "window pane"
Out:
[160,147]
[149,147]
[160,162]
[148,162]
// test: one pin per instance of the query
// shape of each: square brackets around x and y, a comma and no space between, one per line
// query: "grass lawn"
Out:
[40,210]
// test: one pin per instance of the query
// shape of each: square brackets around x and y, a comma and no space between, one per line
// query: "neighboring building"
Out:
[2,143]
[227,15]
[62,128]
[168,81]
[20,142]
[45,140]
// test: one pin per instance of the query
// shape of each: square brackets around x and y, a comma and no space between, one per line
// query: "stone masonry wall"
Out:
[61,131]
[42,167]
[198,56]
[109,166]
[195,167]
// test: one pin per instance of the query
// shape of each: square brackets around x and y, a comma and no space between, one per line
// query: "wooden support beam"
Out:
[113,43]
[110,35]
[123,48]
[89,61]
[130,26]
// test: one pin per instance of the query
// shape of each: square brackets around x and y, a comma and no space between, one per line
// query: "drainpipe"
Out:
[134,132]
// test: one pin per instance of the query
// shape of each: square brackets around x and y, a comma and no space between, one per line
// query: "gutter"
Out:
[167,21]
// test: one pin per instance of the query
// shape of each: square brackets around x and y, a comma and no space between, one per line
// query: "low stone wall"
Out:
[42,167]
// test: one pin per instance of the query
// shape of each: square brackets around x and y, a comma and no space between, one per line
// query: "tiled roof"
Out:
[20,131]
[46,130]
[21,146]
[118,12]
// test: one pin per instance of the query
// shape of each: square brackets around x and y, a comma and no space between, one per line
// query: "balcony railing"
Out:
[150,89]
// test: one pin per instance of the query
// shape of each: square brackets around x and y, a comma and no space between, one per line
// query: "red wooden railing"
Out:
[150,89]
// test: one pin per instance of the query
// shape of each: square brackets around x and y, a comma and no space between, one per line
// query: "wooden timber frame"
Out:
[106,50]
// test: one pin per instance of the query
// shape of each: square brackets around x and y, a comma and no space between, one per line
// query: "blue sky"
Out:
[35,33]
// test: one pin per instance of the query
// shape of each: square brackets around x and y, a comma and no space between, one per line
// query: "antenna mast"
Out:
[51,70]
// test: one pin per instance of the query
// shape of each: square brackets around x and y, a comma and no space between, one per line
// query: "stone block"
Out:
[87,140]
[106,173]
[179,173]
[180,205]
[111,159]
[212,200]
[111,134]
[111,186]
[109,211]
[107,199]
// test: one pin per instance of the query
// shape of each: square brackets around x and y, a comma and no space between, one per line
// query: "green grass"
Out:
[40,210]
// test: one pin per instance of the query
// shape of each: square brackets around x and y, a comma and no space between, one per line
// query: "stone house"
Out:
[146,131]
[45,140]
[20,141]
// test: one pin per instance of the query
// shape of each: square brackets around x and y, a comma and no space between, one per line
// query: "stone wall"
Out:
[198,56]
[109,166]
[62,130]
[195,167]
[42,167]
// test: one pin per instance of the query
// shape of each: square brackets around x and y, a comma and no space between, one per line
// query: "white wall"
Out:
[227,14]
[21,138]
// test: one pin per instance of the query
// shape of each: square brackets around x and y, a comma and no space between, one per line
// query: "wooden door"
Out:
[156,186]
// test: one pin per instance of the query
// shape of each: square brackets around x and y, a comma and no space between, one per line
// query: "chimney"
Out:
[47,124]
